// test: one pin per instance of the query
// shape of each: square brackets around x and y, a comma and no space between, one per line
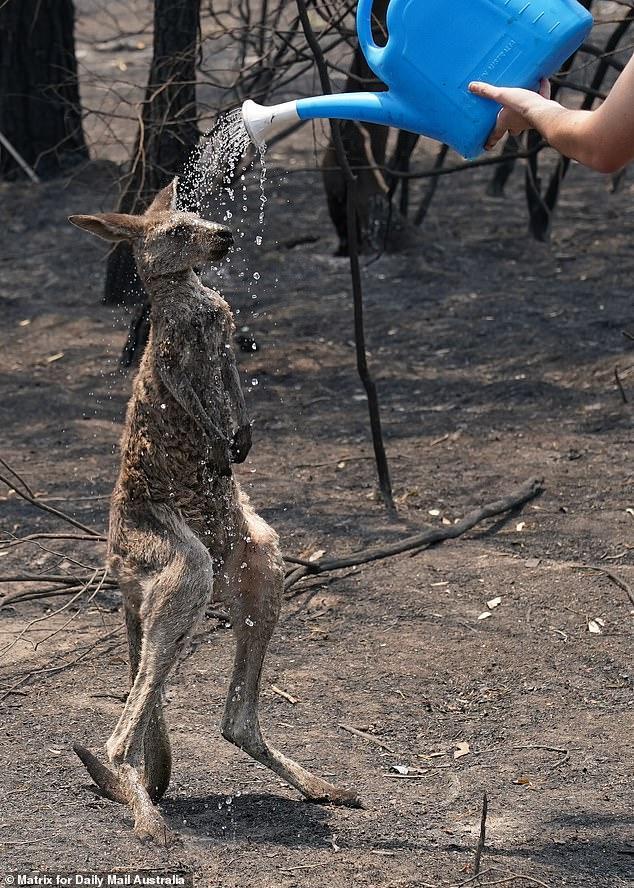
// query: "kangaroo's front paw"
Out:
[241,444]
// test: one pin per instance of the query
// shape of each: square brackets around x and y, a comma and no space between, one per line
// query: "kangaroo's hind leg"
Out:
[173,598]
[156,746]
[157,753]
[254,594]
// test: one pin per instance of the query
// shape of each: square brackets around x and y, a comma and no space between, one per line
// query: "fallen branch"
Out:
[526,492]
[59,610]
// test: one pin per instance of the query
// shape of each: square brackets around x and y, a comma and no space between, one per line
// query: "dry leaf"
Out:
[317,554]
[594,626]
[400,769]
[485,615]
[520,526]
[56,357]
[25,322]
[446,521]
[522,781]
[493,602]
[461,749]
[532,562]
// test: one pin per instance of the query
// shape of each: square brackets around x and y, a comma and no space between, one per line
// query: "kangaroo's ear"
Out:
[110,226]
[165,199]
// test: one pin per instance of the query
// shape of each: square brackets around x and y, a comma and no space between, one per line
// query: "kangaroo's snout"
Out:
[219,240]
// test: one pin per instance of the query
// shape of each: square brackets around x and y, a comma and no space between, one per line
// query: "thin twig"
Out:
[482,839]
[18,541]
[365,736]
[46,617]
[514,877]
[37,595]
[620,385]
[61,668]
[352,221]
[52,511]
[17,475]
[284,695]
[33,176]
[618,581]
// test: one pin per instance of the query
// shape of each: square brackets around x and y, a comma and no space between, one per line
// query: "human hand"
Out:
[517,104]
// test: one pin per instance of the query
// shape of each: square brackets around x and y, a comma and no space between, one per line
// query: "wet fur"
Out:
[182,532]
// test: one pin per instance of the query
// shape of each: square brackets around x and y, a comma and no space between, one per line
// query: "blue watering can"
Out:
[434,49]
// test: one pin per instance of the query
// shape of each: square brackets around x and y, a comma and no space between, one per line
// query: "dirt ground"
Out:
[494,357]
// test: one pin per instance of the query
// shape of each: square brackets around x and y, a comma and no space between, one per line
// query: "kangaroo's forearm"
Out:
[231,379]
[183,392]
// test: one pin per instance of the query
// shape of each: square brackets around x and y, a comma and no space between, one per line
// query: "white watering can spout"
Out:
[261,121]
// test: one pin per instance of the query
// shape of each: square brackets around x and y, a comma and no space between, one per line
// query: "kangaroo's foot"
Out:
[124,785]
[106,780]
[247,736]
[148,823]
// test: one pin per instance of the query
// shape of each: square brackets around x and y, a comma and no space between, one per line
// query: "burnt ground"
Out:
[495,359]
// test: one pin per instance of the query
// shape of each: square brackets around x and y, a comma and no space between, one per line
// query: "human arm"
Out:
[601,139]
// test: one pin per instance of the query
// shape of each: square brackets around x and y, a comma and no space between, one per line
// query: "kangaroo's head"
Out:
[165,240]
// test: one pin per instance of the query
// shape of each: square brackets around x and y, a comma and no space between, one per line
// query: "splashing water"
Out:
[210,185]
[216,184]
[212,166]
[262,152]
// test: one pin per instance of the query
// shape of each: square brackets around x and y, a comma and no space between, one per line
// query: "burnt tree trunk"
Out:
[166,136]
[365,145]
[40,113]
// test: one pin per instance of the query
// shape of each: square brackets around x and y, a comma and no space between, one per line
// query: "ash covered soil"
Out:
[494,357]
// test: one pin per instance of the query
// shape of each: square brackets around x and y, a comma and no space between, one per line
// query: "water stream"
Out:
[216,183]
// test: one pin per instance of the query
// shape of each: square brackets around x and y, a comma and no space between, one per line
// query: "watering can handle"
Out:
[372,52]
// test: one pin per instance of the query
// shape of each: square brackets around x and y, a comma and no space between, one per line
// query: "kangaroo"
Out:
[182,532]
